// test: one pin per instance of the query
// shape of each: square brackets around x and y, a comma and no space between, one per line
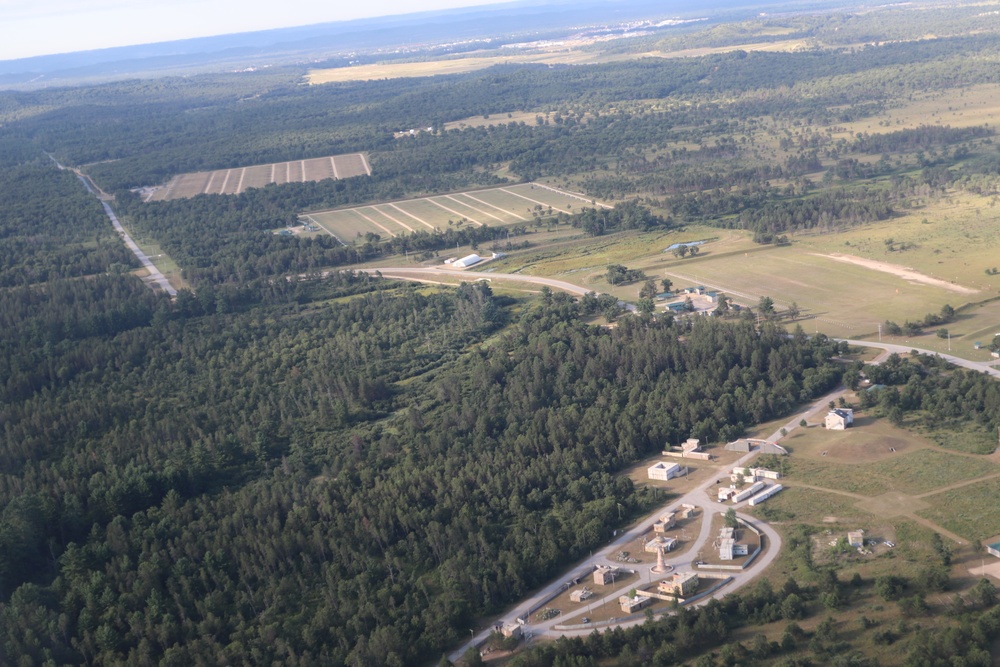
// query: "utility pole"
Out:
[880,332]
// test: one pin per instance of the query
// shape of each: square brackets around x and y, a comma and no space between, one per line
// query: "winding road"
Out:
[906,349]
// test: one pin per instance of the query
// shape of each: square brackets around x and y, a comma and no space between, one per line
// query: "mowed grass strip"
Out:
[911,473]
[970,511]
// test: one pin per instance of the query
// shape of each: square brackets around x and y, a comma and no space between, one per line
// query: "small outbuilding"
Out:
[604,575]
[839,419]
[632,604]
[467,261]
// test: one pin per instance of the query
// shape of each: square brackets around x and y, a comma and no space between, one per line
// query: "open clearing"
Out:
[236,180]
[969,511]
[567,52]
[506,205]
[393,70]
[903,272]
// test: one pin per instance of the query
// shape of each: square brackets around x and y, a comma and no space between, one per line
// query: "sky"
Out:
[42,27]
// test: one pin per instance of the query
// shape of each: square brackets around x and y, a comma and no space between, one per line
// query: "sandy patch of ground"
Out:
[903,272]
[988,565]
[892,504]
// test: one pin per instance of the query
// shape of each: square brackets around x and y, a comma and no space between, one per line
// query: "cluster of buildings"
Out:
[757,492]
[691,449]
[678,587]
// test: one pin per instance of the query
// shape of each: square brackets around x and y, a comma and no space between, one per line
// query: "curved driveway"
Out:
[905,349]
[428,273]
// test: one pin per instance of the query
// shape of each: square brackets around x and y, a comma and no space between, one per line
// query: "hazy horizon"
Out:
[56,27]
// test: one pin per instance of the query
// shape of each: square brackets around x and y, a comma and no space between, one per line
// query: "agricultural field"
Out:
[237,180]
[505,205]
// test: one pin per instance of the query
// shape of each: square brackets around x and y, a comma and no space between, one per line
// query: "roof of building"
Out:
[468,260]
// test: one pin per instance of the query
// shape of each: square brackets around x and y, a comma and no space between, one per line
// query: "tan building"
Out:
[856,538]
[605,574]
[511,630]
[581,594]
[665,523]
[681,585]
[691,445]
[630,604]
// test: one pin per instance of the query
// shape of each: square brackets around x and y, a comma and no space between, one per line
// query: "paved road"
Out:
[154,273]
[905,349]
[429,273]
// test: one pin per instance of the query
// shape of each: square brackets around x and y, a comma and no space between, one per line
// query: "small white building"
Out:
[467,261]
[663,471]
[856,538]
[839,419]
[725,493]
[754,474]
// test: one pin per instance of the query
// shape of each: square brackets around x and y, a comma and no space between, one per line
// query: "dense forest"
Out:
[331,444]
[290,465]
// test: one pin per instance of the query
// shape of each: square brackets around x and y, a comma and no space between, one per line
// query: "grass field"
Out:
[969,511]
[914,472]
[812,506]
[505,205]
[236,180]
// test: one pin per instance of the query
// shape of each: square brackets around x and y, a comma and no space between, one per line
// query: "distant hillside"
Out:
[504,22]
